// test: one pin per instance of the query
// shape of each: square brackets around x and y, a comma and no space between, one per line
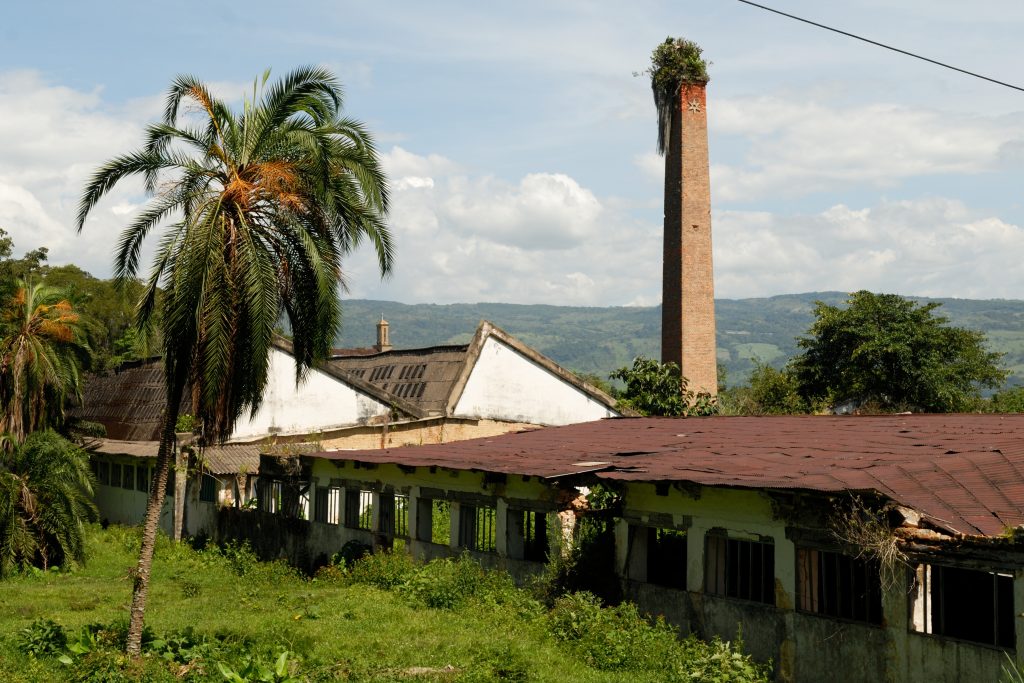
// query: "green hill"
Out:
[599,340]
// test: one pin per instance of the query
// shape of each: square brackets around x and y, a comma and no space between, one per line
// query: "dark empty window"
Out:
[103,472]
[535,536]
[969,604]
[128,477]
[740,569]
[320,504]
[477,528]
[666,557]
[142,479]
[207,488]
[115,474]
[837,585]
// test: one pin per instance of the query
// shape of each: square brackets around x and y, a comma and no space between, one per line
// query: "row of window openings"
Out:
[139,478]
[477,525]
[385,372]
[966,604]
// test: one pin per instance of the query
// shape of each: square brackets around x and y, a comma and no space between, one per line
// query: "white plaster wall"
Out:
[321,402]
[505,385]
[123,506]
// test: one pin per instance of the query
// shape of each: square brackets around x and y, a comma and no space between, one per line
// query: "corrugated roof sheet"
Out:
[226,459]
[423,377]
[963,472]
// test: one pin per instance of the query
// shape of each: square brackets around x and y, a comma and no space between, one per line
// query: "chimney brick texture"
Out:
[688,283]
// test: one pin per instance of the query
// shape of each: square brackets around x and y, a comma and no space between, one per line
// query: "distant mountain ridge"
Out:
[600,339]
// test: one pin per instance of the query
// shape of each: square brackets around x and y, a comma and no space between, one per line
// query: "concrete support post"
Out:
[621,548]
[785,600]
[695,559]
[180,474]
[455,510]
[636,566]
[501,528]
[515,538]
[895,615]
[1018,613]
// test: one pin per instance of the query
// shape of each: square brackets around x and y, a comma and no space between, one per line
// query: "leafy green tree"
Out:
[46,490]
[654,388]
[1009,400]
[770,392]
[259,207]
[42,353]
[887,351]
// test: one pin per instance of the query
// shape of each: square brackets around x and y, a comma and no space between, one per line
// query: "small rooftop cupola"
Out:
[383,337]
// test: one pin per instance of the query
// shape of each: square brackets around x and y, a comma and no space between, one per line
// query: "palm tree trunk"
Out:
[164,458]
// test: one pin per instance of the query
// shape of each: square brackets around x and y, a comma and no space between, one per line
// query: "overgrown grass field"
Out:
[218,614]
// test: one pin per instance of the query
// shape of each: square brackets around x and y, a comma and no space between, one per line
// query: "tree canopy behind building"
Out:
[891,353]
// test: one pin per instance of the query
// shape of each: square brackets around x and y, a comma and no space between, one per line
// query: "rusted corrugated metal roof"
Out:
[226,459]
[422,377]
[965,473]
[129,401]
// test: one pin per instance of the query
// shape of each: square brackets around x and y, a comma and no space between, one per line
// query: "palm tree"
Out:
[258,207]
[46,493]
[42,353]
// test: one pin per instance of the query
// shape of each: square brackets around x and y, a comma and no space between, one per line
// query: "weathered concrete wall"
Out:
[122,506]
[803,646]
[506,385]
[319,403]
[419,432]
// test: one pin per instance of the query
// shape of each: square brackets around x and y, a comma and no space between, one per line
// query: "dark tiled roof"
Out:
[964,473]
[129,401]
[422,377]
[226,459]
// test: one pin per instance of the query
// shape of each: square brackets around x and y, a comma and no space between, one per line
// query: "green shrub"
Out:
[42,638]
[611,638]
[452,583]
[385,570]
[719,662]
[503,663]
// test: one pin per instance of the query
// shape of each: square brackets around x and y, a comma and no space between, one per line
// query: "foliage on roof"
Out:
[673,63]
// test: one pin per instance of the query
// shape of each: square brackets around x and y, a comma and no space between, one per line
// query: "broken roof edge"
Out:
[357,383]
[486,329]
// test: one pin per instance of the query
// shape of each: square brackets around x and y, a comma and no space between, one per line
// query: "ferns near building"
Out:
[46,491]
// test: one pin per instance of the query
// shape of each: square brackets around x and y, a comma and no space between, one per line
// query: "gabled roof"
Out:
[432,379]
[963,473]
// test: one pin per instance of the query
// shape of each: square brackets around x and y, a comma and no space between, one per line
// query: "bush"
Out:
[385,570]
[42,638]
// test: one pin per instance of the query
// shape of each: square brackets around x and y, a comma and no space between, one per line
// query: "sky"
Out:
[520,144]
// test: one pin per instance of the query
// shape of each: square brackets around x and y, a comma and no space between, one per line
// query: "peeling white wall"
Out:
[505,385]
[321,402]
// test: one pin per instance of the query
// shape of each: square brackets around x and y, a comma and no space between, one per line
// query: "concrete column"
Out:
[695,558]
[785,600]
[515,536]
[895,594]
[501,528]
[621,548]
[455,510]
[636,568]
[180,474]
[1018,612]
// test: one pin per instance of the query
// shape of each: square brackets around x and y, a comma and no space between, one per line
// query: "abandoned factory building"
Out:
[885,548]
[359,398]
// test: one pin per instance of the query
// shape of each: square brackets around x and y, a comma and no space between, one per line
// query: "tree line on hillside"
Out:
[880,353]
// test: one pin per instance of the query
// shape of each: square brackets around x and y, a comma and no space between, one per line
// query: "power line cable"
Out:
[887,47]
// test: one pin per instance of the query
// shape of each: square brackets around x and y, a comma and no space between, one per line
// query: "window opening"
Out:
[142,479]
[968,604]
[476,528]
[740,569]
[103,472]
[837,585]
[115,474]
[666,557]
[401,516]
[207,488]
[359,509]
[535,536]
[440,522]
[334,505]
[320,504]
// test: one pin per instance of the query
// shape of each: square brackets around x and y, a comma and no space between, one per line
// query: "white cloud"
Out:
[928,247]
[797,147]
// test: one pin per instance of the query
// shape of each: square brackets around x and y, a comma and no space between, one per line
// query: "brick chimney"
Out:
[383,337]
[688,287]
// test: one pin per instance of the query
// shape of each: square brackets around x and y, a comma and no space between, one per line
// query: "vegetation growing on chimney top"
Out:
[673,63]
